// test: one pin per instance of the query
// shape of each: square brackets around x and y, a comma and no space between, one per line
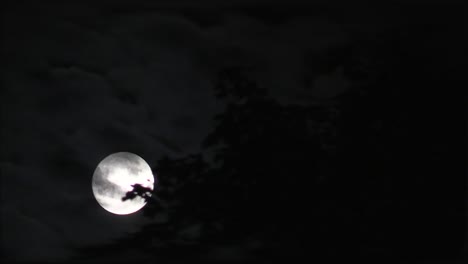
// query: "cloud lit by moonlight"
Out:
[114,177]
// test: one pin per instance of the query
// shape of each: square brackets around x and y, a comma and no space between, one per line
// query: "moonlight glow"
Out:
[114,177]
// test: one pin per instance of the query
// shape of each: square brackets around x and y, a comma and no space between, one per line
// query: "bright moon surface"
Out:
[114,177]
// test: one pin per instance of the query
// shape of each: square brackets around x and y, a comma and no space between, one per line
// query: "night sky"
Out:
[325,131]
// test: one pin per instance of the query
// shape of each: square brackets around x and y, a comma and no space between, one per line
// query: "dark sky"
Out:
[362,118]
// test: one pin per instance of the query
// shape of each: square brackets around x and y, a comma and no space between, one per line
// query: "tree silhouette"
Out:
[259,185]
[309,180]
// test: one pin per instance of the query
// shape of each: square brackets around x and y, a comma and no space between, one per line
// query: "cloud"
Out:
[27,236]
[73,96]
[79,86]
[279,55]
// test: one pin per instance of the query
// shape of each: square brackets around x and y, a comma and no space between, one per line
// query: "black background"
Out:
[324,131]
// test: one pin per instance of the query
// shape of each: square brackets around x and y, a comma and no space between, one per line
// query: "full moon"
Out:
[114,177]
